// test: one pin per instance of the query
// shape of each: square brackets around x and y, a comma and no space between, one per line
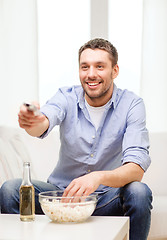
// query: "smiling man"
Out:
[97,75]
[104,142]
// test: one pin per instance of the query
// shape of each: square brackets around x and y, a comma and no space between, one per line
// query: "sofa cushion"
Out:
[159,218]
[44,153]
[13,153]
[156,175]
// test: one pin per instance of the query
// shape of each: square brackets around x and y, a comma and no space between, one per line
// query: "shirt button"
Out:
[91,155]
[93,137]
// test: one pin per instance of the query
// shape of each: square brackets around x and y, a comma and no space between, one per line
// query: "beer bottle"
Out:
[27,196]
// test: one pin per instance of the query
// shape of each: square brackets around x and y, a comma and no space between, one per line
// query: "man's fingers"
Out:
[70,190]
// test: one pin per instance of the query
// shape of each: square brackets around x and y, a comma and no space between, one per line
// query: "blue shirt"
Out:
[121,137]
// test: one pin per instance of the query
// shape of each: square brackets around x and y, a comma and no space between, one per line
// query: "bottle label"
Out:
[26,200]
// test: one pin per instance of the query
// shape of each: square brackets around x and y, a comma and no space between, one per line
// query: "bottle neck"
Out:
[26,174]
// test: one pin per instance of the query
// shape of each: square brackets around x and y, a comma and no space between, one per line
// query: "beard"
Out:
[103,90]
[98,94]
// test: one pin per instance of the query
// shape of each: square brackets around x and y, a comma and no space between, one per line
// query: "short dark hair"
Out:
[102,44]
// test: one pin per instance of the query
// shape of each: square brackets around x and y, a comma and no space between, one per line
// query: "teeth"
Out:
[93,84]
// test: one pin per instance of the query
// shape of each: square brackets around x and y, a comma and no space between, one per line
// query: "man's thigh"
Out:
[9,195]
[41,187]
[109,204]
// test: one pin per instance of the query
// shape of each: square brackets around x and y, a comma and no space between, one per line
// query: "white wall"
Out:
[154,64]
[18,57]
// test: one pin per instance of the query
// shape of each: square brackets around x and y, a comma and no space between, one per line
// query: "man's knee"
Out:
[9,196]
[138,188]
[10,188]
[138,193]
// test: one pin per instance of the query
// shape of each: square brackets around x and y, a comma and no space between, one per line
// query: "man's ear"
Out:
[115,71]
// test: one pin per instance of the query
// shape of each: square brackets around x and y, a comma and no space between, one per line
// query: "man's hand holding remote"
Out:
[32,120]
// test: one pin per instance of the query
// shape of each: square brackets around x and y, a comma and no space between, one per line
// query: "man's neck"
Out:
[97,102]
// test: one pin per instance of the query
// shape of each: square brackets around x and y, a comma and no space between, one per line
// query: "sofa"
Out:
[16,146]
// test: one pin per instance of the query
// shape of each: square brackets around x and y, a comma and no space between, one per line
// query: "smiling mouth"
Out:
[93,84]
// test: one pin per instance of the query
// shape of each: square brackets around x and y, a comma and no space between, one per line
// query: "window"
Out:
[125,32]
[63,26]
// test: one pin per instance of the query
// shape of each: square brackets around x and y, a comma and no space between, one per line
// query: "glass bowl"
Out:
[67,209]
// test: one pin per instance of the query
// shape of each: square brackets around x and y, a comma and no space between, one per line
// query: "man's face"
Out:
[96,76]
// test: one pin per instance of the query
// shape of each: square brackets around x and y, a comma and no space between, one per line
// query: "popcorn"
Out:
[67,212]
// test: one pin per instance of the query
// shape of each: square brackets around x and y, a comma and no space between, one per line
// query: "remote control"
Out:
[32,108]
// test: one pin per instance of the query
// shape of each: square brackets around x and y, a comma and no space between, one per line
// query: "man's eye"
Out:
[100,66]
[84,67]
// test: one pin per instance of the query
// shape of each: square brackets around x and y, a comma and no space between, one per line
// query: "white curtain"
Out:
[125,32]
[154,64]
[63,26]
[18,57]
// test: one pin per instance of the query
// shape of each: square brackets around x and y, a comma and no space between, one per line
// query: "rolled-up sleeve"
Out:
[136,139]
[55,111]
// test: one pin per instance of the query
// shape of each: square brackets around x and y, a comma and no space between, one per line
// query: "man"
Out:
[104,142]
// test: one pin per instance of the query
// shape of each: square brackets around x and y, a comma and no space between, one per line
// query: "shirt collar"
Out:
[113,101]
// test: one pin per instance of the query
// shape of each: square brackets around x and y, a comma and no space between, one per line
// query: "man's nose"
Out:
[92,73]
